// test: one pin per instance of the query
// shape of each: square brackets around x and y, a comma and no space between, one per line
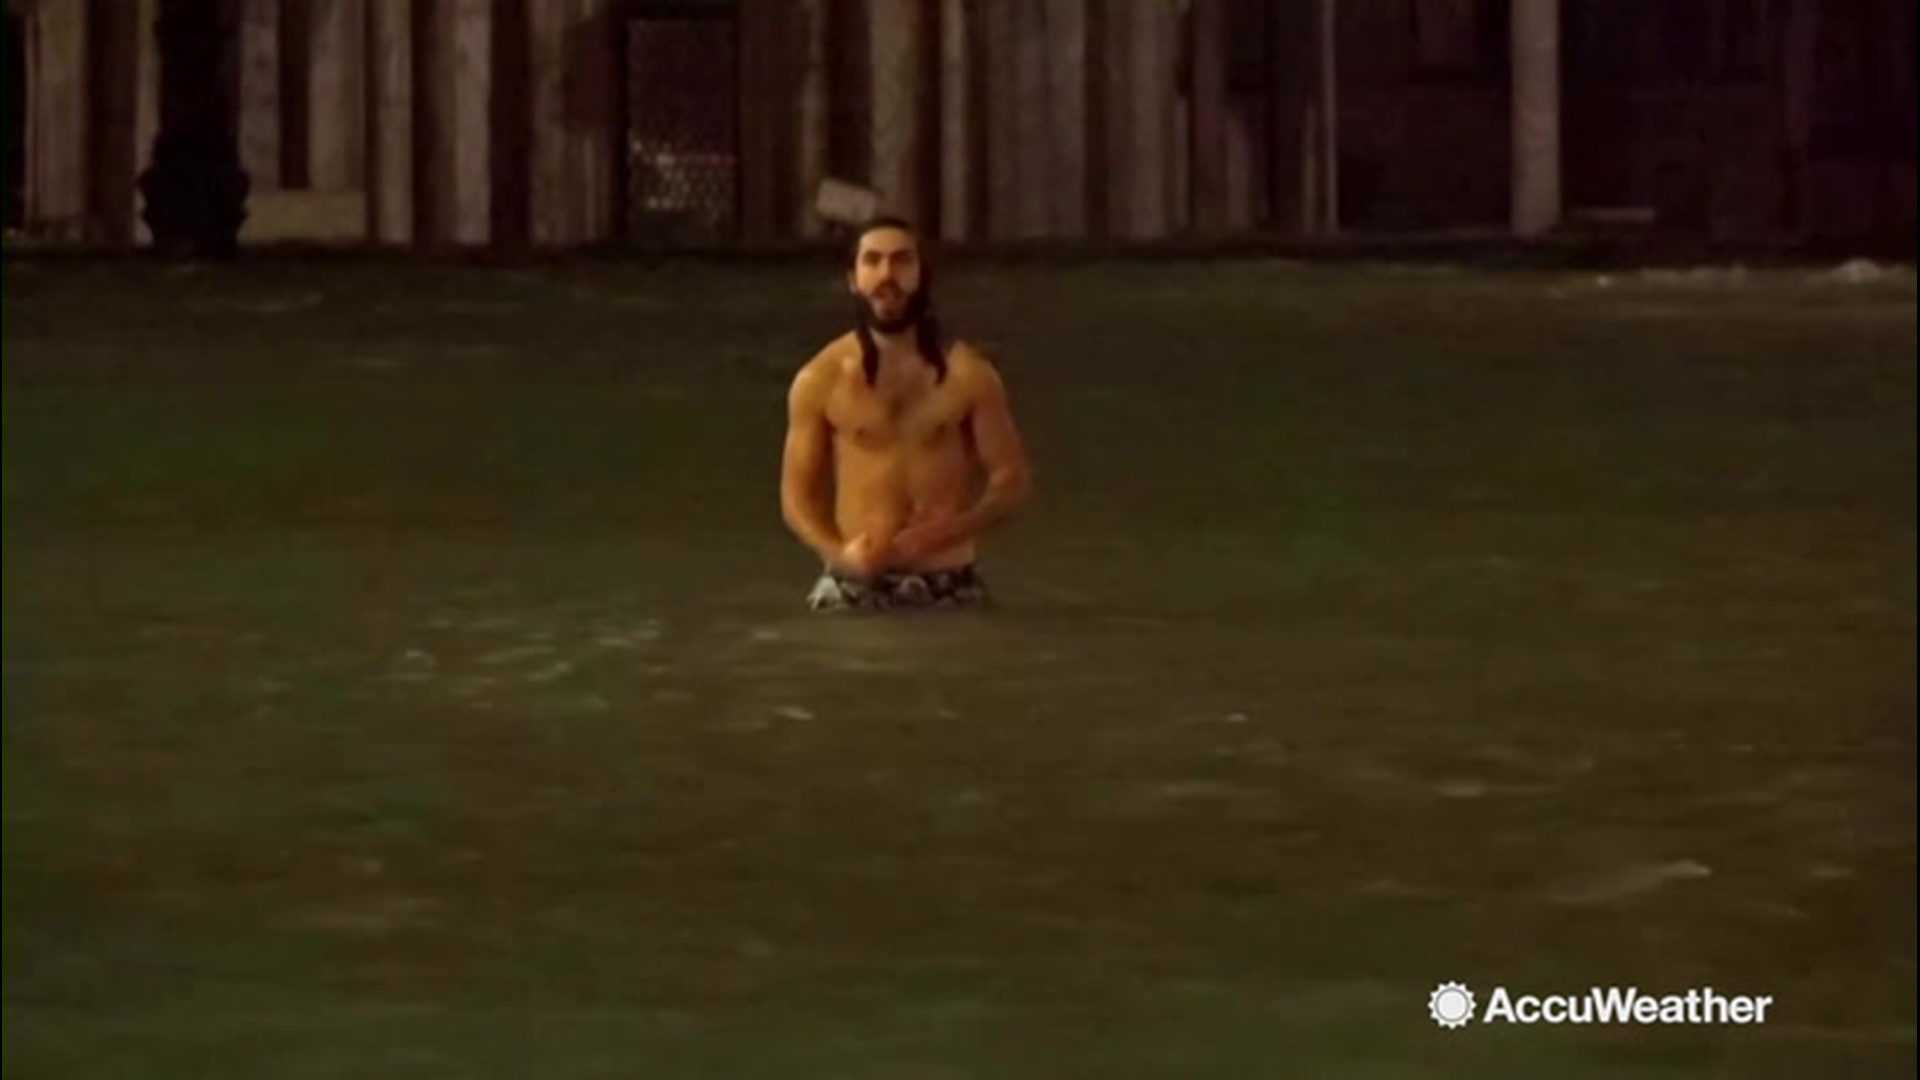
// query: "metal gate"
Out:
[683,159]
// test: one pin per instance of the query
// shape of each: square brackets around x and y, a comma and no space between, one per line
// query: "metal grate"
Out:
[681,141]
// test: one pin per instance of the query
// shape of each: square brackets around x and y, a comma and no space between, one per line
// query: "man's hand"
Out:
[924,539]
[863,556]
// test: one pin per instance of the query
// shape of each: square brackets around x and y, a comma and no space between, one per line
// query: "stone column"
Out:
[1209,125]
[1536,116]
[56,150]
[390,118]
[336,111]
[898,135]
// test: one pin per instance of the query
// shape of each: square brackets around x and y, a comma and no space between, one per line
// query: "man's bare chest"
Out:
[882,418]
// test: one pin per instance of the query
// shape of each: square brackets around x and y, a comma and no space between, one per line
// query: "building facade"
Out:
[559,123]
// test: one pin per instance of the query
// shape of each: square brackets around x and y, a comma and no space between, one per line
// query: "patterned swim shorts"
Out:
[899,590]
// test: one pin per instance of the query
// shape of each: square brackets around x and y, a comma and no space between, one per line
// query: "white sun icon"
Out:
[1450,1005]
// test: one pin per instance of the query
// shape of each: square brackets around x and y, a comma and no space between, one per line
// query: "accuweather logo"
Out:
[1452,1005]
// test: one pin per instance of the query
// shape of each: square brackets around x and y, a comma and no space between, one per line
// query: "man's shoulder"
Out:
[847,344]
[829,364]
[969,367]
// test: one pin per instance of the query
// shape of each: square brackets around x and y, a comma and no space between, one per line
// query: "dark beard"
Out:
[915,310]
[917,317]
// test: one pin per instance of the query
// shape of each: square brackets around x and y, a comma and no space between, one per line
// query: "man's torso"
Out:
[901,448]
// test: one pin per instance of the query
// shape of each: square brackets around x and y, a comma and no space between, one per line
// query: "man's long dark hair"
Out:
[927,336]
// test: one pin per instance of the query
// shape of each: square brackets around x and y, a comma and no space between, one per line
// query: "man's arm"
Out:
[805,462]
[1002,456]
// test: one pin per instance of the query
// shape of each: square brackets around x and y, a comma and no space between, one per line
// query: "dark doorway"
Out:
[1640,76]
[683,159]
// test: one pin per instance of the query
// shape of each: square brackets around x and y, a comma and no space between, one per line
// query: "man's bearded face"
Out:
[886,280]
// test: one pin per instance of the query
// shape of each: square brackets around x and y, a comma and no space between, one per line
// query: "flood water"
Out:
[406,674]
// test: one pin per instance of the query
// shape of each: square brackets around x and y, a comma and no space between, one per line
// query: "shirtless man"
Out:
[915,436]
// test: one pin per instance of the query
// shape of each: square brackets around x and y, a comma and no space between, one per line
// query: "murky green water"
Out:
[406,675]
